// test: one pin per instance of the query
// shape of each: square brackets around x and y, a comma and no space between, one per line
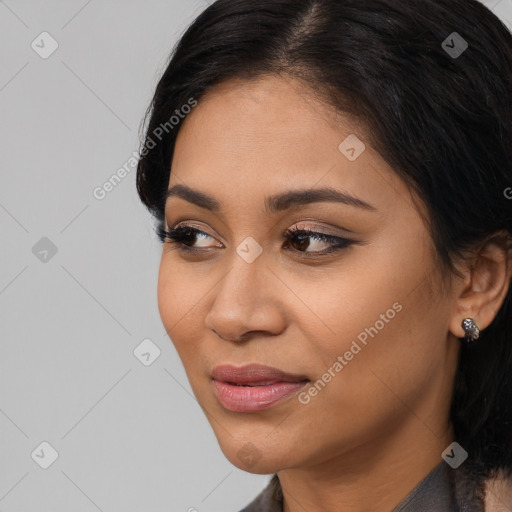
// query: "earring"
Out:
[471,330]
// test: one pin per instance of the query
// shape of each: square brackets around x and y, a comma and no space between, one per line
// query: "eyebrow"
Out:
[276,203]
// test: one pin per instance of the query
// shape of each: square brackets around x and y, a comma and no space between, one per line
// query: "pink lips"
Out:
[253,387]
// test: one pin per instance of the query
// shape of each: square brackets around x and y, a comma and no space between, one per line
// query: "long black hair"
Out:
[431,80]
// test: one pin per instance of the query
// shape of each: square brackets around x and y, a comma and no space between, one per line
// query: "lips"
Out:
[253,375]
[254,387]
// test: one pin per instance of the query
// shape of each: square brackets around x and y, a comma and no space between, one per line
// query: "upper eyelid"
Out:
[300,225]
[327,237]
[296,228]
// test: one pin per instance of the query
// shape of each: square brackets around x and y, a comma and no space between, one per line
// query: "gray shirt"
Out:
[443,490]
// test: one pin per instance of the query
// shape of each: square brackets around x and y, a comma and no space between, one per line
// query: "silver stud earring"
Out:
[471,330]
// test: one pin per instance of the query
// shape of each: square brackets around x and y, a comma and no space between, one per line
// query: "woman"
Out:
[332,181]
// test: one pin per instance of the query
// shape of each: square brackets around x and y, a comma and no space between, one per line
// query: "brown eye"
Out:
[185,237]
[300,240]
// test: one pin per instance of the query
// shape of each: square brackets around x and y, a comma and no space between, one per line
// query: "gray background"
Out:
[129,437]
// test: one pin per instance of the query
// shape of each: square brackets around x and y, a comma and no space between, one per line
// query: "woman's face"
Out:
[366,325]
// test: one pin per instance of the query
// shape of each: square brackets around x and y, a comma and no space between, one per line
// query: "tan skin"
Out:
[378,427]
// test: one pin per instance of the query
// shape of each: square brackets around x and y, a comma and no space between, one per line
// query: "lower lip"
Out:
[254,398]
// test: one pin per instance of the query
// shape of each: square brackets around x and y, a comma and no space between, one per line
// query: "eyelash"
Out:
[179,234]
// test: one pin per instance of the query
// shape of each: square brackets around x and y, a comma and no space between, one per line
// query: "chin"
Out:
[254,456]
[251,459]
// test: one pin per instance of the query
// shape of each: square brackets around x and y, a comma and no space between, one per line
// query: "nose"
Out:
[247,303]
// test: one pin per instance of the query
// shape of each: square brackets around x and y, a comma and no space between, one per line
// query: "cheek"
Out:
[384,351]
[166,298]
[382,323]
[178,303]
[361,389]
[359,301]
[185,292]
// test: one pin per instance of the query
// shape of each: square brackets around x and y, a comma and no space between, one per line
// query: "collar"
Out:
[443,489]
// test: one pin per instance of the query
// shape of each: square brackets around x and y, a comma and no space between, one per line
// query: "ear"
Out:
[486,282]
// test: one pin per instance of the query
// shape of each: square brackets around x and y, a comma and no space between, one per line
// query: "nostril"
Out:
[236,339]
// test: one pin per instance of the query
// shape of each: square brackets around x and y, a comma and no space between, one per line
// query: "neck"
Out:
[373,477]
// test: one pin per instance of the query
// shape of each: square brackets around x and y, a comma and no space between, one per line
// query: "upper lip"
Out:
[253,374]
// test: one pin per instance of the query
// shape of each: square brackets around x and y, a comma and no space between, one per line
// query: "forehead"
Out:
[271,110]
[247,139]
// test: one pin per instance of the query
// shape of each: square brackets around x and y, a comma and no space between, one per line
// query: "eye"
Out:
[301,237]
[184,238]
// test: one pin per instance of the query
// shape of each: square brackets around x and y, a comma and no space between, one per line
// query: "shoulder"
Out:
[498,493]
[270,499]
[495,493]
[479,489]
